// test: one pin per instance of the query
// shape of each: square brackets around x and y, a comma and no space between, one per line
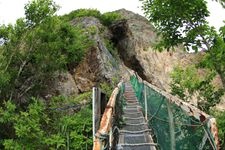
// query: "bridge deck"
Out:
[135,134]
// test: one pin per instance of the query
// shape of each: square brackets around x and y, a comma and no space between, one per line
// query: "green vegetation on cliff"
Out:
[106,18]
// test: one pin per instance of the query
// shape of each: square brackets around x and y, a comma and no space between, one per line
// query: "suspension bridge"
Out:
[140,116]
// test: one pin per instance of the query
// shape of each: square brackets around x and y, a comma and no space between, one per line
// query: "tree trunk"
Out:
[223,80]
[222,77]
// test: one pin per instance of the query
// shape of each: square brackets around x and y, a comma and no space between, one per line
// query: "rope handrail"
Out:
[181,124]
[106,121]
[186,107]
[104,133]
[140,144]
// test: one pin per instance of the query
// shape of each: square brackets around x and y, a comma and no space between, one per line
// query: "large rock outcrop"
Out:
[98,65]
[134,37]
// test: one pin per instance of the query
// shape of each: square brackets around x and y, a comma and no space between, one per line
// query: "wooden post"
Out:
[96,110]
[146,104]
[93,111]
[171,125]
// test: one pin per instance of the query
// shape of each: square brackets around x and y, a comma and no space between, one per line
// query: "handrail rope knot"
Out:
[102,136]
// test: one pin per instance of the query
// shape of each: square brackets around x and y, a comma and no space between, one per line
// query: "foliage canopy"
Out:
[177,21]
[41,127]
[188,83]
[34,50]
[106,19]
[37,11]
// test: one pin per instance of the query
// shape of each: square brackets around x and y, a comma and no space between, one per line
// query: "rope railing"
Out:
[103,138]
[191,111]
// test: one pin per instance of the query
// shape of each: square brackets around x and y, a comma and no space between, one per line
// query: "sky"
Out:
[10,10]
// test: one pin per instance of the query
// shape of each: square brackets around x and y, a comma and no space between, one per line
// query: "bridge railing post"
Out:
[146,104]
[110,137]
[96,109]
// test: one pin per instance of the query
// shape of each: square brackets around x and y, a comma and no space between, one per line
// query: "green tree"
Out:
[43,127]
[177,21]
[220,115]
[27,126]
[215,57]
[106,18]
[37,11]
[110,17]
[184,22]
[31,56]
[222,2]
[82,13]
[187,82]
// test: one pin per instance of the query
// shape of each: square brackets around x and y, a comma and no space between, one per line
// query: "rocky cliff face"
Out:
[97,66]
[134,37]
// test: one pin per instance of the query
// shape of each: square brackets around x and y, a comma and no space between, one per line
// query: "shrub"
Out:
[40,127]
[187,82]
[106,88]
[82,13]
[110,17]
[106,18]
[220,119]
[30,59]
